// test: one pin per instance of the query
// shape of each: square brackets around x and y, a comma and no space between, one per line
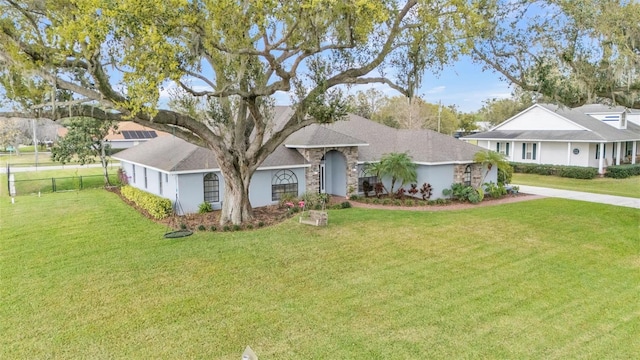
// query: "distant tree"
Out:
[415,113]
[397,166]
[496,111]
[84,142]
[10,134]
[366,103]
[573,52]
[467,122]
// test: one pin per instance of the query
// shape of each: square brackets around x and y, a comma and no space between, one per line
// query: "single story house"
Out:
[327,158]
[128,134]
[589,136]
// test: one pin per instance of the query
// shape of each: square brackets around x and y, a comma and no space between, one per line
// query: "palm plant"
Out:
[488,159]
[397,166]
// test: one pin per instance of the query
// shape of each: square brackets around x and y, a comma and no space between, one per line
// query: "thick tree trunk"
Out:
[236,207]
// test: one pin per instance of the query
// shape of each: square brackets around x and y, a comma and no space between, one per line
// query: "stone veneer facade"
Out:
[314,157]
[476,174]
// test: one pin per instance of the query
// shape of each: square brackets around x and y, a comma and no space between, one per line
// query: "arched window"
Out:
[284,182]
[466,178]
[211,188]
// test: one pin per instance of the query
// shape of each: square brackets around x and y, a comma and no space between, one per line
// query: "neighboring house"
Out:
[319,158]
[127,135]
[131,134]
[589,136]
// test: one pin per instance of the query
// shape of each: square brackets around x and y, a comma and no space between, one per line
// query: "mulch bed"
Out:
[262,217]
[271,215]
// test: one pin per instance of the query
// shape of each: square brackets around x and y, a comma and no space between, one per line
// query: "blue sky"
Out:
[465,85]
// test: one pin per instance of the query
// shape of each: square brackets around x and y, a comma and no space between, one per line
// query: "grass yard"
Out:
[629,187]
[85,276]
[33,182]
[27,159]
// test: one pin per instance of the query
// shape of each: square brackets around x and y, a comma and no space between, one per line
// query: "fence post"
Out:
[53,184]
[8,177]
[81,187]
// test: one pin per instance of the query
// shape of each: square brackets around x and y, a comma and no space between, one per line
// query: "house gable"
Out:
[538,118]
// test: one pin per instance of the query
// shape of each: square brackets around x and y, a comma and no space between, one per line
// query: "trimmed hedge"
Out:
[157,206]
[623,171]
[574,172]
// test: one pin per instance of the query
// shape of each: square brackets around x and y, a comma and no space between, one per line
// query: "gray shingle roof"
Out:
[172,154]
[315,136]
[596,130]
[424,146]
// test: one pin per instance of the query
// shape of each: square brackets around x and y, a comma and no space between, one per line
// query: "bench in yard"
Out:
[316,218]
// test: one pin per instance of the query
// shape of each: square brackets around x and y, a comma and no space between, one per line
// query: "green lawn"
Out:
[33,182]
[629,187]
[84,276]
[27,159]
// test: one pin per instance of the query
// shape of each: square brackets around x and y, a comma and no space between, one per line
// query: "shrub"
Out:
[623,171]
[226,228]
[409,202]
[354,197]
[377,201]
[183,226]
[397,202]
[201,227]
[158,207]
[287,198]
[495,190]
[426,191]
[260,223]
[464,193]
[122,177]
[386,202]
[311,199]
[249,226]
[505,174]
[345,205]
[413,190]
[213,228]
[236,227]
[576,172]
[204,208]
[366,188]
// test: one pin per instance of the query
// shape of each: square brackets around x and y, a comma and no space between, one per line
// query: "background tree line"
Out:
[401,112]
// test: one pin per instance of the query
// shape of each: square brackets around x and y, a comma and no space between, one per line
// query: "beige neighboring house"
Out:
[327,159]
[130,134]
[127,135]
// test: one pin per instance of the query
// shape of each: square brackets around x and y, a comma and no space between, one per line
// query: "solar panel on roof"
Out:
[138,134]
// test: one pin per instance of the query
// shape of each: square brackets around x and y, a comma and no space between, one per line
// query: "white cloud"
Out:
[436,90]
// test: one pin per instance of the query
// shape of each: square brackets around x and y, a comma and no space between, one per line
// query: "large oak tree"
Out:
[222,62]
[571,52]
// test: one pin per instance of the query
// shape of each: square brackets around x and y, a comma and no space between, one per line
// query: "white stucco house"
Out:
[319,158]
[589,136]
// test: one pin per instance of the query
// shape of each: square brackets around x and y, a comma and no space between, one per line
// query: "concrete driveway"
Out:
[582,196]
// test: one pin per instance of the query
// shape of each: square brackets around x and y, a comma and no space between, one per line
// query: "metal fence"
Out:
[55,184]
